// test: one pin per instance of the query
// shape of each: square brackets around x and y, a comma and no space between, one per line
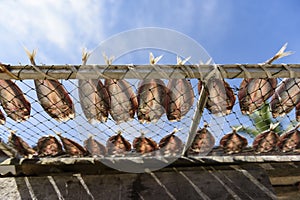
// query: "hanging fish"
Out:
[254,92]
[180,96]
[7,151]
[266,141]
[144,144]
[123,101]
[53,97]
[49,146]
[203,142]
[20,145]
[298,112]
[221,97]
[151,100]
[13,101]
[151,97]
[73,148]
[117,145]
[233,142]
[94,98]
[94,147]
[171,144]
[290,141]
[286,97]
[2,118]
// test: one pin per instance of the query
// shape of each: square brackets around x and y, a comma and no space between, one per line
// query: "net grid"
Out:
[79,129]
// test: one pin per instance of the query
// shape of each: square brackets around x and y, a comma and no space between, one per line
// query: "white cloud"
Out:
[60,29]
[51,26]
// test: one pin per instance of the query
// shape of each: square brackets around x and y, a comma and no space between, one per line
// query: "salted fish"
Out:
[117,145]
[94,147]
[123,101]
[171,144]
[286,97]
[254,92]
[52,96]
[72,147]
[94,100]
[266,141]
[180,98]
[14,101]
[233,142]
[151,100]
[49,146]
[55,100]
[144,144]
[20,145]
[203,142]
[221,97]
[2,118]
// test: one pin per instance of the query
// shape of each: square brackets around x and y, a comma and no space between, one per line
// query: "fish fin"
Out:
[31,55]
[85,56]
[182,62]
[280,54]
[154,60]
[108,61]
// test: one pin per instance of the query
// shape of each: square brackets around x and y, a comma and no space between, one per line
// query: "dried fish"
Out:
[286,97]
[266,141]
[254,92]
[144,145]
[203,142]
[171,144]
[298,112]
[151,100]
[94,147]
[180,96]
[53,96]
[151,96]
[94,100]
[123,101]
[49,146]
[6,150]
[14,101]
[73,148]
[290,140]
[20,145]
[2,118]
[55,99]
[233,142]
[180,99]
[221,97]
[117,145]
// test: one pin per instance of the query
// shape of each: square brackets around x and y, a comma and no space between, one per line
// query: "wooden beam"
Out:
[148,71]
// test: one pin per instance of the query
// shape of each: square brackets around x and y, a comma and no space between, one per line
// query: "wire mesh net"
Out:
[246,116]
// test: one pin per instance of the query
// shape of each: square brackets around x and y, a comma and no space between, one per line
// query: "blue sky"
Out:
[231,31]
